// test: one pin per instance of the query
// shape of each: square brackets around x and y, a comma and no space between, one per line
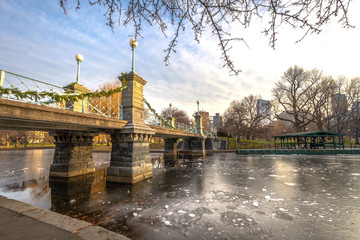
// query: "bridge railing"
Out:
[154,120]
[107,107]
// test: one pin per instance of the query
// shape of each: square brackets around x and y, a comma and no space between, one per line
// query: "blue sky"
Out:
[38,40]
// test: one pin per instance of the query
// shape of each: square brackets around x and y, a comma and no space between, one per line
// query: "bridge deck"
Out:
[26,116]
[19,115]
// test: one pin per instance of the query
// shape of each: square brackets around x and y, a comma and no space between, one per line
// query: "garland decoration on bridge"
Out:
[60,97]
[163,121]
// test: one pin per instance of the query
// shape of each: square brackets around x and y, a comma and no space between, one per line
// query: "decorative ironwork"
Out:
[153,118]
[24,89]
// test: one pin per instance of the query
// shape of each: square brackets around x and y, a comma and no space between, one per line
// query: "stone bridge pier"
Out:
[130,156]
[73,149]
[170,149]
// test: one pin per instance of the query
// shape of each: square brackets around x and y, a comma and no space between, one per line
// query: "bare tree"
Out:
[354,93]
[180,115]
[108,105]
[5,137]
[200,15]
[341,104]
[244,118]
[16,136]
[291,97]
[319,96]
[233,117]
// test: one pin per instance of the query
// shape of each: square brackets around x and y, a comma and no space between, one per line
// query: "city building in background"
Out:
[263,107]
[338,102]
[217,121]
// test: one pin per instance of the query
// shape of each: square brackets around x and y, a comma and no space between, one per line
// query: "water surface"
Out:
[222,196]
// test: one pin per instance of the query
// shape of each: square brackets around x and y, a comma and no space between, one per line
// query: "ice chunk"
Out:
[181,212]
[276,176]
[255,203]
[289,184]
[268,198]
[191,215]
[277,199]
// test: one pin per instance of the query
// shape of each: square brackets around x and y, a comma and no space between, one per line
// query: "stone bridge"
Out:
[73,134]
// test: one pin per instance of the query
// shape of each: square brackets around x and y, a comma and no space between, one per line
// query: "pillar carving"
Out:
[73,153]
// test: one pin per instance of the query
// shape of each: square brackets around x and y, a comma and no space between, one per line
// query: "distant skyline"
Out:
[39,41]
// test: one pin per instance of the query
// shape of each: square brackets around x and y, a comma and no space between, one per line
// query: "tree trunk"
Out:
[7,140]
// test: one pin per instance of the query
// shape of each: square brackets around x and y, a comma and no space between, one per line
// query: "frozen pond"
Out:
[223,196]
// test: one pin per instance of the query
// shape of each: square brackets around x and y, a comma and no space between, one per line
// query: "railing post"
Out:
[110,106]
[83,105]
[2,78]
[119,107]
[121,112]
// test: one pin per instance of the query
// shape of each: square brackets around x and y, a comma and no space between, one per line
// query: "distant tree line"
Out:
[302,101]
[16,137]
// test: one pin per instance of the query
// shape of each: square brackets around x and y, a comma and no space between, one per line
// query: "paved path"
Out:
[23,221]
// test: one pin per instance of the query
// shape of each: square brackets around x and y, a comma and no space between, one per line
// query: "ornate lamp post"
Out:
[198,102]
[171,119]
[133,43]
[170,105]
[79,58]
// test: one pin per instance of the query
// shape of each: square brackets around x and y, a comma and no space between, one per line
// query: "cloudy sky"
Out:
[38,40]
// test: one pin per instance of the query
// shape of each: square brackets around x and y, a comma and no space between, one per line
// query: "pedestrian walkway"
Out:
[23,221]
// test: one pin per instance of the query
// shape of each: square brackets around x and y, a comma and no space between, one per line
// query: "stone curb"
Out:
[81,229]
